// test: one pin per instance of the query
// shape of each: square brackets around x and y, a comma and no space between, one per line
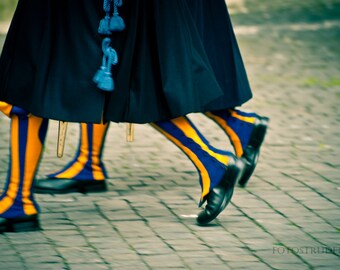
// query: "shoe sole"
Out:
[231,177]
[80,188]
[26,226]
[254,144]
[16,225]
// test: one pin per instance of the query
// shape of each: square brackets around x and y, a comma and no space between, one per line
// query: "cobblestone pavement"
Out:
[286,218]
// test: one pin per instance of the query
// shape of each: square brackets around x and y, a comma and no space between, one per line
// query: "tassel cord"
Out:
[103,76]
[107,6]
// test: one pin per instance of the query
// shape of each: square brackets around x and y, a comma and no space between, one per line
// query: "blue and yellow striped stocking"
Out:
[5,108]
[27,139]
[87,164]
[210,162]
[237,125]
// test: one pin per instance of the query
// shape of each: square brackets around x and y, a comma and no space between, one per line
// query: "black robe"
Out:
[175,57]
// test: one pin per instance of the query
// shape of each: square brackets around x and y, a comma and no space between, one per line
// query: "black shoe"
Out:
[63,186]
[20,224]
[252,151]
[219,197]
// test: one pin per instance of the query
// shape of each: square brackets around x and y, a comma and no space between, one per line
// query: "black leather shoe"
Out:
[252,151]
[219,197]
[20,224]
[63,186]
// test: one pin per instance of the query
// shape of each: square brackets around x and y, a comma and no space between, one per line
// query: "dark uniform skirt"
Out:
[175,57]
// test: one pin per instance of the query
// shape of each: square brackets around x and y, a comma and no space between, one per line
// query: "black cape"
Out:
[175,57]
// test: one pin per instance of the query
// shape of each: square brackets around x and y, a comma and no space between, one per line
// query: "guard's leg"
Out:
[86,172]
[218,172]
[246,132]
[18,209]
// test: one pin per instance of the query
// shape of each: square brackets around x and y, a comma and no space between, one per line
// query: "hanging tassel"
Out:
[117,23]
[106,83]
[104,25]
[99,76]
[100,72]
[103,77]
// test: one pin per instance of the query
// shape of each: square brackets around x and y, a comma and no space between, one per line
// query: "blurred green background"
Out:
[6,9]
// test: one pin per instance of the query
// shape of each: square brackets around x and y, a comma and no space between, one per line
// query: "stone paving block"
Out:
[322,260]
[126,265]
[52,235]
[42,259]
[47,252]
[296,241]
[290,266]
[61,227]
[179,245]
[232,255]
[13,265]
[48,223]
[87,221]
[212,260]
[155,261]
[218,239]
[121,216]
[78,254]
[259,266]
[151,239]
[206,266]
[110,255]
[7,258]
[326,267]
[88,266]
[318,227]
[259,244]
[44,266]
[328,240]
[171,268]
[120,251]
[73,241]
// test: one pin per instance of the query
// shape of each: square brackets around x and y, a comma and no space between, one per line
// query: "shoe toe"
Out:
[214,207]
[55,186]
[220,196]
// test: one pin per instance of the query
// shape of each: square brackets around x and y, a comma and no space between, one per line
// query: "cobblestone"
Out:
[286,218]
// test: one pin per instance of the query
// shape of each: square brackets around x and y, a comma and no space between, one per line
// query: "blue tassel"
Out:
[117,23]
[103,76]
[104,26]
[112,57]
[99,74]
[106,83]
[118,3]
